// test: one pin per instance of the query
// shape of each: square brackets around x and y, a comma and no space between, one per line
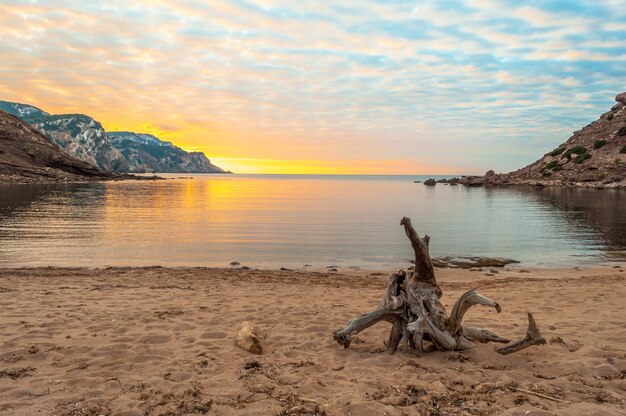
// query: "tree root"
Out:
[533,337]
[411,304]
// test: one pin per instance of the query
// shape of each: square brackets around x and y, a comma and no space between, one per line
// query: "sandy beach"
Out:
[160,341]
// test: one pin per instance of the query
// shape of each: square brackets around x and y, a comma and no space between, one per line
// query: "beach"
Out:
[160,341]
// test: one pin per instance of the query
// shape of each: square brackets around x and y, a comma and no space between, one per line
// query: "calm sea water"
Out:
[290,221]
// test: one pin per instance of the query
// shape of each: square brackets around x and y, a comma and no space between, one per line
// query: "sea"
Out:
[302,221]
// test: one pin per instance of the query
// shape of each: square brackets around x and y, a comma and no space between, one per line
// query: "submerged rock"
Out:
[471,262]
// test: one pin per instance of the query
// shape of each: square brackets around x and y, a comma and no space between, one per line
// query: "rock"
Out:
[234,263]
[471,262]
[590,158]
[442,181]
[247,338]
[338,368]
[430,182]
[485,387]
[84,138]
[252,365]
[27,154]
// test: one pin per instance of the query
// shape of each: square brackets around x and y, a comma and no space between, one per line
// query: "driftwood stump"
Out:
[411,304]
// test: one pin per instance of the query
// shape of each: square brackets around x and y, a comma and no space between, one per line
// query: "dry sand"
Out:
[157,341]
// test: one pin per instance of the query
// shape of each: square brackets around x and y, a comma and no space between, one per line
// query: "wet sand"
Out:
[159,341]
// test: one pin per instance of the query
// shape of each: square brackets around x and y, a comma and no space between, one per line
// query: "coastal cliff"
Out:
[84,138]
[147,153]
[593,156]
[26,155]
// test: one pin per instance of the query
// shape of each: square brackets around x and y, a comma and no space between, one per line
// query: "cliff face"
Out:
[26,155]
[594,156]
[84,138]
[78,135]
[147,153]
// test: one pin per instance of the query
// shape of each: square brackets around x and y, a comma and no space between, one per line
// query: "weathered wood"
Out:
[424,270]
[397,331]
[344,336]
[466,301]
[533,337]
[412,305]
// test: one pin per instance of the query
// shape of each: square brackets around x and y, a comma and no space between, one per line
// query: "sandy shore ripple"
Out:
[159,341]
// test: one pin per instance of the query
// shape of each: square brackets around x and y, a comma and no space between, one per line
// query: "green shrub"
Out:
[579,150]
[598,144]
[581,158]
[622,131]
[546,174]
[557,152]
[610,117]
[623,149]
[557,168]
[552,164]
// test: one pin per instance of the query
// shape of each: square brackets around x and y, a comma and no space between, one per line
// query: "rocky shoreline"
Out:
[593,157]
[52,178]
[504,179]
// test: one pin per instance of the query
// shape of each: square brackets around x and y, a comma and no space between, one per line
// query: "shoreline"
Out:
[156,340]
[346,271]
[74,179]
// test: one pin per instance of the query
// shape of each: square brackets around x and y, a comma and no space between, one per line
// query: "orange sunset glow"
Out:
[368,87]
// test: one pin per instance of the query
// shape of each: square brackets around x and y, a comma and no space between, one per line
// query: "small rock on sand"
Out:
[248,339]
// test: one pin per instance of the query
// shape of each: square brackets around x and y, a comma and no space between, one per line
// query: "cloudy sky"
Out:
[282,86]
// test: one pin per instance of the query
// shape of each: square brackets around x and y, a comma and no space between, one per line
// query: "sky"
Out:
[354,87]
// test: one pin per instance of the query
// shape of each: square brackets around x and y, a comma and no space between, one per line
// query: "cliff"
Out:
[594,156]
[84,138]
[147,153]
[26,155]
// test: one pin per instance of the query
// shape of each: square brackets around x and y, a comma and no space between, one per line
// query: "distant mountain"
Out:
[77,135]
[26,155]
[85,139]
[20,110]
[147,153]
[594,156]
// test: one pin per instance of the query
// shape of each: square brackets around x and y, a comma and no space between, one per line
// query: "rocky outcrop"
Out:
[147,153]
[26,155]
[84,138]
[592,157]
[78,135]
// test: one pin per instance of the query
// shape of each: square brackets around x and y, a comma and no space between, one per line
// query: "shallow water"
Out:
[293,220]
